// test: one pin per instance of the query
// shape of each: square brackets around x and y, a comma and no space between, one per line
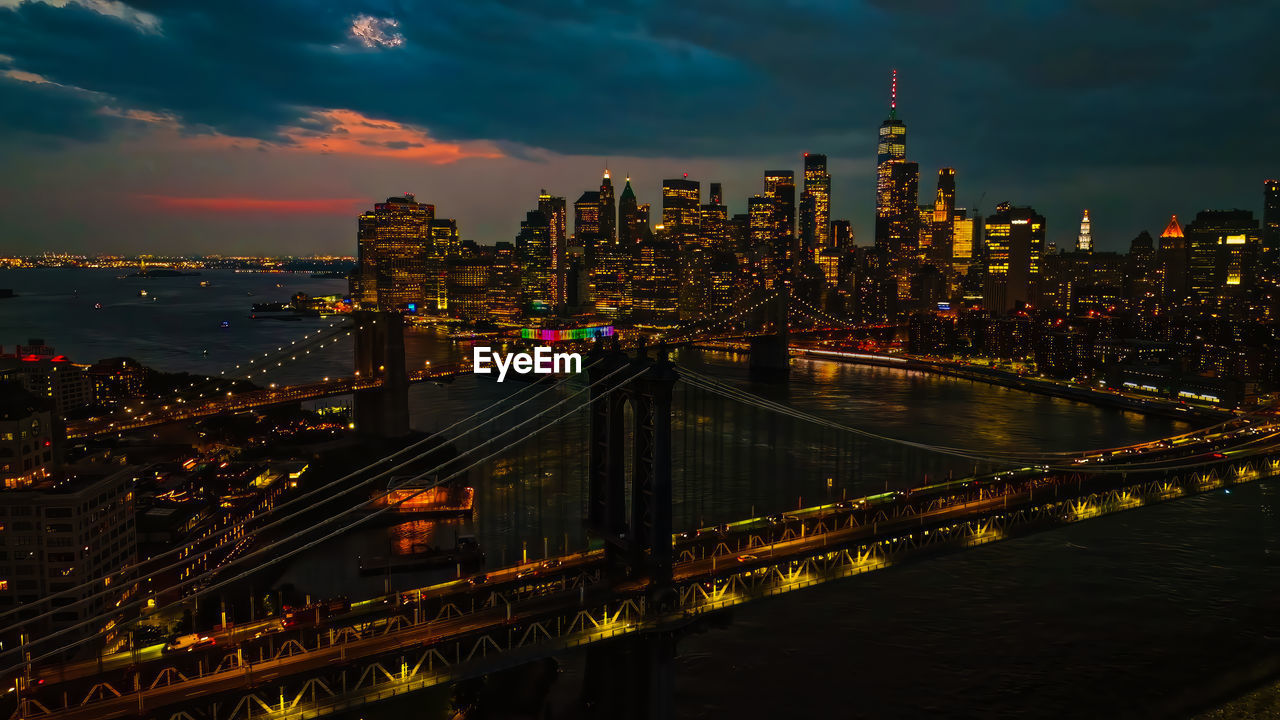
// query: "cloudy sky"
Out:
[266,125]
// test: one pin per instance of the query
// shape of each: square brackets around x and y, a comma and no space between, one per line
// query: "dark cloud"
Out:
[1014,93]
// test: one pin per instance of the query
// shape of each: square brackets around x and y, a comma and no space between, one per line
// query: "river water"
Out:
[1145,614]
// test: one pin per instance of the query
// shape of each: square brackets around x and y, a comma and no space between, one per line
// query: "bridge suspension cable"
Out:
[484,415]
[183,395]
[279,557]
[828,316]
[716,321]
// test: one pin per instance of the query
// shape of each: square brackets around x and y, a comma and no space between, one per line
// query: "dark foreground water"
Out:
[1151,613]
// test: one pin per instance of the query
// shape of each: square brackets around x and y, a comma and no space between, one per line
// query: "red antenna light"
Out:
[893,97]
[686,176]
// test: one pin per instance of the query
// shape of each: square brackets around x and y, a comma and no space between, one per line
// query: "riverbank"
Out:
[992,376]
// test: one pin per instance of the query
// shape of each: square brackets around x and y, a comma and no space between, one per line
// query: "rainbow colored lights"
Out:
[583,333]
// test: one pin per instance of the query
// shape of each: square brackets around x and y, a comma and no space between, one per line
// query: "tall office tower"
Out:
[469,277]
[394,240]
[633,222]
[608,210]
[445,243]
[962,233]
[924,233]
[816,222]
[1015,241]
[713,223]
[761,233]
[897,187]
[1084,242]
[780,187]
[681,198]
[586,222]
[760,226]
[554,209]
[504,288]
[842,235]
[943,221]
[656,283]
[1271,215]
[533,247]
[1223,252]
[1171,259]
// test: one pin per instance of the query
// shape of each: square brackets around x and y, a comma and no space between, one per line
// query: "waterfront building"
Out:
[394,241]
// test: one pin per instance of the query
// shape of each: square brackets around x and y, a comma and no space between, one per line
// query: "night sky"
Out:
[189,126]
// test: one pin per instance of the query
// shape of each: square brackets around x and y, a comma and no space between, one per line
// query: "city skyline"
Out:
[147,159]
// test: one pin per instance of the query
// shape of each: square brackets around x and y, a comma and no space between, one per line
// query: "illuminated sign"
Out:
[584,333]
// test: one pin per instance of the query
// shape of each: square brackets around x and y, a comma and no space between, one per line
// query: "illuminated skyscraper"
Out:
[713,222]
[815,219]
[394,242]
[760,232]
[633,219]
[962,233]
[608,210]
[1015,241]
[468,280]
[681,198]
[780,187]
[554,209]
[897,187]
[533,246]
[1084,243]
[656,282]
[504,288]
[1171,259]
[586,222]
[1223,251]
[943,220]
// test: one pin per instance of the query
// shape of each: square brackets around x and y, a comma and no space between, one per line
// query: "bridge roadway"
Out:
[249,400]
[467,627]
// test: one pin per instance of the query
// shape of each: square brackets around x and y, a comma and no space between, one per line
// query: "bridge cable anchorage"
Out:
[715,386]
[483,415]
[277,558]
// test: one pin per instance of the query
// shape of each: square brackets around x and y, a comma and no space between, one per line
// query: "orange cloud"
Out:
[349,132]
[324,132]
[243,204]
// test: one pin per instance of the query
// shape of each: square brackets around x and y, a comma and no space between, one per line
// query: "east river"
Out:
[1162,612]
